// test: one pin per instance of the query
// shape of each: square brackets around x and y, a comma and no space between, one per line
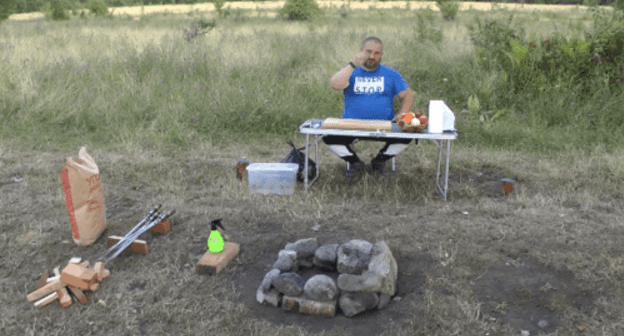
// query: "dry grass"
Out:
[547,218]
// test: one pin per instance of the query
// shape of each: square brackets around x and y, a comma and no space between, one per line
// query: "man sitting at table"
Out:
[369,88]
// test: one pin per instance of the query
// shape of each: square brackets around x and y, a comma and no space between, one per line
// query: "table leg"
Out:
[305,171]
[446,167]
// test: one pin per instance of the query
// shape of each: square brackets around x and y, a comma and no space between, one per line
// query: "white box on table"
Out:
[272,178]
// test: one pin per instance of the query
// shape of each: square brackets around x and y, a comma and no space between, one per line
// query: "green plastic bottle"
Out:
[215,240]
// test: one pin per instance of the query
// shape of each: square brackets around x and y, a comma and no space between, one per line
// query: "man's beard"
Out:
[370,64]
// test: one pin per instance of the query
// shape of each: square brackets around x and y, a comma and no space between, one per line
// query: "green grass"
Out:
[121,81]
[166,119]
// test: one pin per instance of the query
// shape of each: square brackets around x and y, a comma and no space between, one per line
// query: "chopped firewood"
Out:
[43,280]
[94,287]
[99,270]
[77,276]
[46,300]
[54,278]
[105,274]
[64,298]
[79,295]
[84,264]
[213,263]
[75,260]
[45,290]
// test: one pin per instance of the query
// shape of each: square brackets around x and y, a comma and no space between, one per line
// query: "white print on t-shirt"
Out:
[369,84]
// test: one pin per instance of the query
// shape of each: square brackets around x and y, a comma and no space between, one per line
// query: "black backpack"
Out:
[298,157]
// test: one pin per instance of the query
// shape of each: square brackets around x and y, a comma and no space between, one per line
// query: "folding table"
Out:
[313,127]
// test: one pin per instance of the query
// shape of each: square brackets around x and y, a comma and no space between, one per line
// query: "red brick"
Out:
[162,227]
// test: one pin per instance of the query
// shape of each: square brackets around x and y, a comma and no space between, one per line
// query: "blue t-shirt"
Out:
[369,94]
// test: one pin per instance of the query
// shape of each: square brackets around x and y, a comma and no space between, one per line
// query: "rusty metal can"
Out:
[241,168]
[508,185]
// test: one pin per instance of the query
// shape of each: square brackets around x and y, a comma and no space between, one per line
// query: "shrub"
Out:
[98,8]
[300,9]
[448,8]
[56,10]
[7,7]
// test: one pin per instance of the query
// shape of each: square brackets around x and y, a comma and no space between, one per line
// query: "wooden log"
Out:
[63,295]
[99,270]
[77,276]
[94,287]
[138,246]
[43,280]
[54,278]
[46,300]
[45,290]
[79,295]
[213,263]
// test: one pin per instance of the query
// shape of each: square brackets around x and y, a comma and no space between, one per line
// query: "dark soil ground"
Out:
[517,291]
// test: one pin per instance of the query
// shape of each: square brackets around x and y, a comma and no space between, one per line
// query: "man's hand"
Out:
[359,59]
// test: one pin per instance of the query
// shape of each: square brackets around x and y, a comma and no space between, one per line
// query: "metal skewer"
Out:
[150,216]
[126,241]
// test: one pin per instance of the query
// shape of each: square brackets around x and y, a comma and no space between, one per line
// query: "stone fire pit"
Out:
[356,276]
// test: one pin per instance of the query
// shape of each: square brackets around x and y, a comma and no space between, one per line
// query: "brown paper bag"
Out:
[84,198]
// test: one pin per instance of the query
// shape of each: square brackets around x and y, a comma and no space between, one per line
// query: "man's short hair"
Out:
[373,39]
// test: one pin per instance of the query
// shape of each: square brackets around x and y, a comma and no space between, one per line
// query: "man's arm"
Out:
[340,80]
[407,101]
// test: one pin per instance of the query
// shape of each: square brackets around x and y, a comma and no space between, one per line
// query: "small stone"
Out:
[307,263]
[525,332]
[285,264]
[325,257]
[352,304]
[305,248]
[289,283]
[354,256]
[384,301]
[542,324]
[287,254]
[272,297]
[321,287]
[268,279]
[383,263]
[365,283]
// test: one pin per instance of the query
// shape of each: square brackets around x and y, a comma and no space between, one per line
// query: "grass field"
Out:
[166,119]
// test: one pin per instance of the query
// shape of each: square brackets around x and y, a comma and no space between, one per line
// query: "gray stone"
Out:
[321,287]
[286,264]
[287,254]
[307,306]
[325,257]
[268,279]
[352,304]
[384,301]
[305,248]
[307,263]
[289,283]
[354,256]
[383,263]
[272,297]
[365,283]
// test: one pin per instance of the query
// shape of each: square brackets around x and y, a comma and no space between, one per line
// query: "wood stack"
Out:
[76,278]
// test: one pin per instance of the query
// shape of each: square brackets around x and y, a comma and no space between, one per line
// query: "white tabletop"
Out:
[313,126]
